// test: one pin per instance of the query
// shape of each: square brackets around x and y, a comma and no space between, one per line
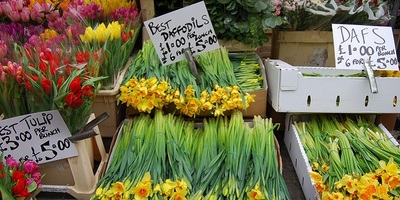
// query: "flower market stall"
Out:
[160,101]
[57,56]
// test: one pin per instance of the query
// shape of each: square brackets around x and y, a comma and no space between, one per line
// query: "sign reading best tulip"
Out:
[188,27]
[41,137]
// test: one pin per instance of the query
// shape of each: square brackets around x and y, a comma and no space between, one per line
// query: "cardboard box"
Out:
[236,46]
[147,9]
[291,91]
[297,47]
[388,120]
[107,101]
[259,107]
[77,175]
[299,157]
[300,48]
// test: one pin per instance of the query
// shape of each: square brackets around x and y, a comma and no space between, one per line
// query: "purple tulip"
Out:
[29,181]
[30,167]
[37,177]
[11,162]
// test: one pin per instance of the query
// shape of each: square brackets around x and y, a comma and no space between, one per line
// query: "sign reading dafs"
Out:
[188,27]
[357,44]
[41,137]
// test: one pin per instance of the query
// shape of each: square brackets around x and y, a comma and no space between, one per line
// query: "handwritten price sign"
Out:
[355,44]
[188,27]
[41,137]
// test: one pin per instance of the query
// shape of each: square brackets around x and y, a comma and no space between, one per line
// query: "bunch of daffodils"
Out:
[350,159]
[167,157]
[149,85]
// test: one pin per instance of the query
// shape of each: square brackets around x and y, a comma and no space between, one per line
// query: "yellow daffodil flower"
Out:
[143,189]
[168,187]
[178,196]
[255,193]
[342,182]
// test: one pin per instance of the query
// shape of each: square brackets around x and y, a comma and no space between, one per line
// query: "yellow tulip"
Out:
[102,34]
[88,36]
[114,29]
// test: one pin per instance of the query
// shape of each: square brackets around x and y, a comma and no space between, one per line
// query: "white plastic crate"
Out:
[290,91]
[299,157]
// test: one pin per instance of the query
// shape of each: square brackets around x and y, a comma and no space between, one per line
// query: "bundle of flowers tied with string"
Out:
[168,157]
[350,157]
[148,85]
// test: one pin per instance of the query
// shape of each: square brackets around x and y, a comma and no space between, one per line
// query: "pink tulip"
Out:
[12,68]
[52,16]
[5,7]
[1,8]
[37,14]
[14,16]
[16,4]
[3,49]
[25,16]
[2,76]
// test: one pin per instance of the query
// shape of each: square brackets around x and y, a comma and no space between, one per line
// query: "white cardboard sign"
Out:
[41,137]
[355,44]
[188,27]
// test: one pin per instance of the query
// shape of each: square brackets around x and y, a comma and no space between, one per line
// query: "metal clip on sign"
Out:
[192,63]
[371,77]
[87,131]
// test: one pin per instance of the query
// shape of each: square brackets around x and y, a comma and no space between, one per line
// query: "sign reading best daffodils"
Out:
[356,44]
[188,27]
[41,137]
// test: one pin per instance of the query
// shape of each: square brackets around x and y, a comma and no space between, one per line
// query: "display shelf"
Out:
[328,90]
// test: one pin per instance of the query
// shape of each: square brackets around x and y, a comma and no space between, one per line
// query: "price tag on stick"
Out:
[189,27]
[41,137]
[355,44]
